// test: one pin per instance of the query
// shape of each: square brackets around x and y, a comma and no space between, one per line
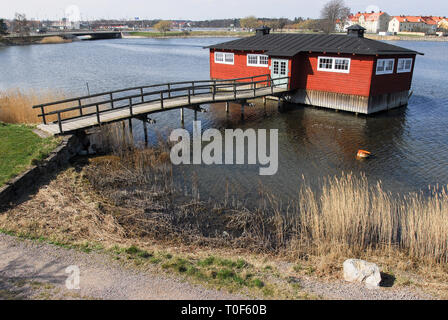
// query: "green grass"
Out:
[410,35]
[86,246]
[19,148]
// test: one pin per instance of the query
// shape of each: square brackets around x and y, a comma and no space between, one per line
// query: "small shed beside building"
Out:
[343,72]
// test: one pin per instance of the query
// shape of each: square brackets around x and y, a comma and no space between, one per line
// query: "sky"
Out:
[207,9]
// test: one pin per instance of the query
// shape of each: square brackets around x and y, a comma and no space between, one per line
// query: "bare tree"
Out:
[163,26]
[282,22]
[250,22]
[332,13]
[21,25]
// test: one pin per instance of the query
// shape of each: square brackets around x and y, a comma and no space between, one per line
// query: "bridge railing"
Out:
[131,97]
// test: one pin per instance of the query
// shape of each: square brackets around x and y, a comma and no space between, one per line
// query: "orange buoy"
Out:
[363,154]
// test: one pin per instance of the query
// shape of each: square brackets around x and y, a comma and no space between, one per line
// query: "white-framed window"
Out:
[257,60]
[224,57]
[404,65]
[333,64]
[385,66]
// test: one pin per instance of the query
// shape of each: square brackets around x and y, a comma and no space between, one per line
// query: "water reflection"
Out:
[410,144]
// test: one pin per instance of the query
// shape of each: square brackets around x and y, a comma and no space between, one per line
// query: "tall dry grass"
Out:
[351,215]
[16,105]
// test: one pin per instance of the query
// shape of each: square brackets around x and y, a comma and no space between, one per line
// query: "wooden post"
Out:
[80,107]
[234,90]
[43,115]
[227,106]
[195,114]
[192,84]
[98,113]
[182,115]
[169,90]
[130,128]
[60,122]
[161,99]
[189,96]
[130,107]
[213,92]
[145,131]
[141,92]
[111,100]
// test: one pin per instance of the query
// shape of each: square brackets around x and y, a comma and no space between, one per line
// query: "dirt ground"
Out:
[35,270]
[32,270]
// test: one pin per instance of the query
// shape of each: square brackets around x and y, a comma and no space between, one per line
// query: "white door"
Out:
[279,70]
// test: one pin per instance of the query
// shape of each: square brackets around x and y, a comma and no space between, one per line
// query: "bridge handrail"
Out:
[197,88]
[211,87]
[142,87]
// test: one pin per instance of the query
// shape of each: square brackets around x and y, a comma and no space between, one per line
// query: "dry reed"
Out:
[54,40]
[16,105]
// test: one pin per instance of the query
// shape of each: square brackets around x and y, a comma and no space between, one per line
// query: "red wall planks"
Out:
[357,82]
[239,69]
[395,82]
[361,80]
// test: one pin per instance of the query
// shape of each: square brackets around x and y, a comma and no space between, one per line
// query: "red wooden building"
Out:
[344,72]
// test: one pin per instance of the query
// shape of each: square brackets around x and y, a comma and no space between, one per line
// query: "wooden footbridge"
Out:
[71,115]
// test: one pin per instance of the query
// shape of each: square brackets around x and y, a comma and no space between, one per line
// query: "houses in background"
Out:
[374,22]
[381,22]
[428,25]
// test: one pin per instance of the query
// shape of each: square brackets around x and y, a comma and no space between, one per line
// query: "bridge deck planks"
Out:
[168,103]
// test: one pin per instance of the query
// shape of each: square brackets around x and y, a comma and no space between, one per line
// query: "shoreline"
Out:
[201,240]
[7,42]
[93,226]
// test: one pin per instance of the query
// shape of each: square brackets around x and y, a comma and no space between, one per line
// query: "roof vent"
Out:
[356,31]
[263,30]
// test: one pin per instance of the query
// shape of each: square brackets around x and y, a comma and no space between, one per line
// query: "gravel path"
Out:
[353,291]
[32,270]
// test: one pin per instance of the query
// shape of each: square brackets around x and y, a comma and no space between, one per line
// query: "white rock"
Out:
[356,270]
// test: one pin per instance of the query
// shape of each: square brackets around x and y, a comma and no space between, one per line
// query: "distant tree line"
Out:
[333,12]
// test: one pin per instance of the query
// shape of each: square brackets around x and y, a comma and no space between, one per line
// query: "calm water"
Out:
[410,144]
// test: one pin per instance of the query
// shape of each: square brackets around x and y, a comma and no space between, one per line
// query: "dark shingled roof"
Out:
[288,45]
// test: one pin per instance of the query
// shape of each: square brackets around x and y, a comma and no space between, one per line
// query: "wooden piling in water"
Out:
[130,127]
[145,131]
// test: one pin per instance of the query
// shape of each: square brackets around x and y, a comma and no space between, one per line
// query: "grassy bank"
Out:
[19,148]
[190,34]
[128,201]
[179,34]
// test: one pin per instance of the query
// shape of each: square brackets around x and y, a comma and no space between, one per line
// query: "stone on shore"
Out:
[356,270]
